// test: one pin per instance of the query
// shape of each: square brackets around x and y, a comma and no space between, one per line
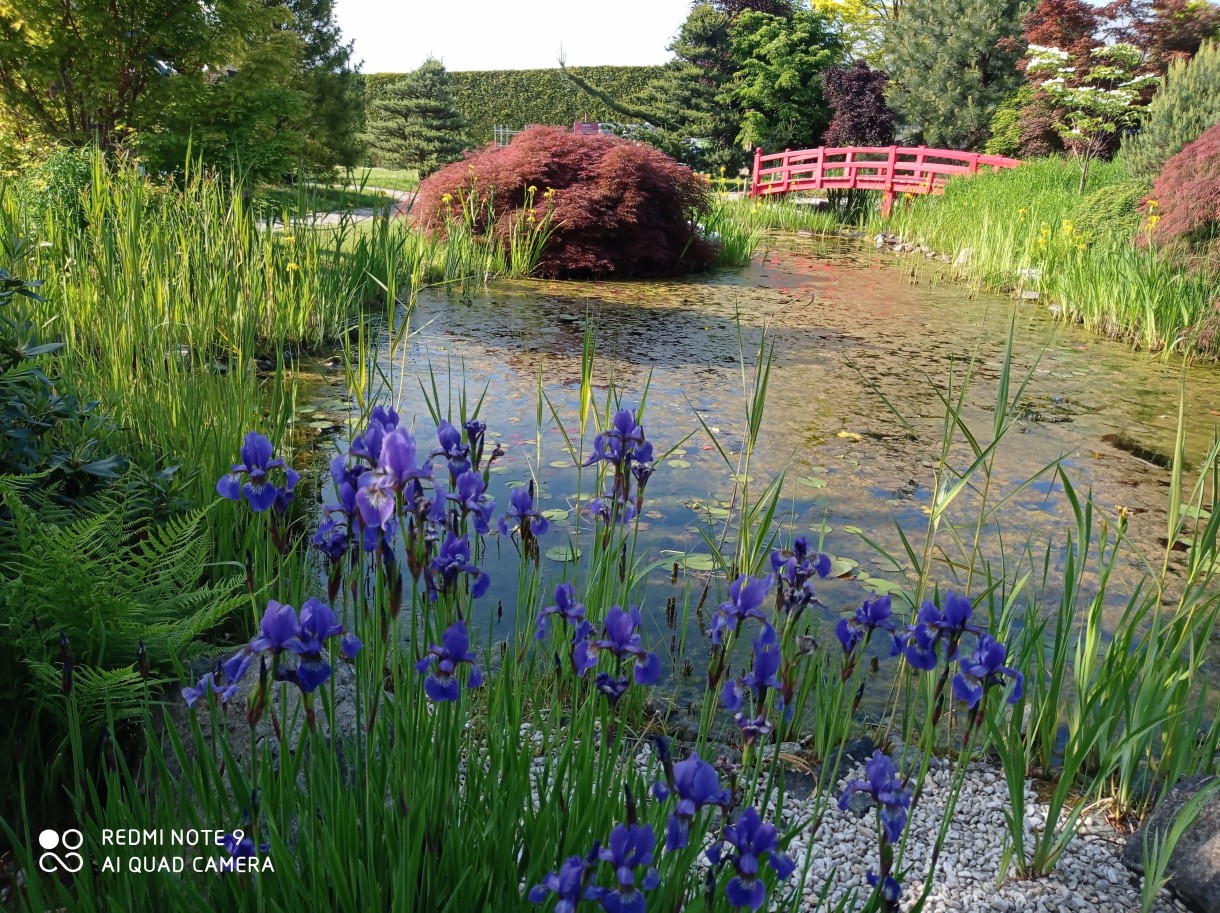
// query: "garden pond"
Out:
[861,343]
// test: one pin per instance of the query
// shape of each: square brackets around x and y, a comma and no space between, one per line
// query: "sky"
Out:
[398,35]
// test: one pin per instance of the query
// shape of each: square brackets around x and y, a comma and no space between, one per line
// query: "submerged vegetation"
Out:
[1029,228]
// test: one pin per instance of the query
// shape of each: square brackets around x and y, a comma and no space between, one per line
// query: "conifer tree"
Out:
[1186,104]
[952,63]
[415,122]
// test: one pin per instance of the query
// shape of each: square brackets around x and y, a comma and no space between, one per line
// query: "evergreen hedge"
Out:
[519,97]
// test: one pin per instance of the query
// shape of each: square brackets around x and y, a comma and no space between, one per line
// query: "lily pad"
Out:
[654,515]
[562,553]
[698,562]
[841,567]
[883,587]
[323,426]
[555,514]
[499,469]
[854,530]
[812,481]
[678,464]
[561,464]
[742,478]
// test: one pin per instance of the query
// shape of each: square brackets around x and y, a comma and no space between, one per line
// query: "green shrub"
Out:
[517,98]
[1006,123]
[1111,214]
[1186,104]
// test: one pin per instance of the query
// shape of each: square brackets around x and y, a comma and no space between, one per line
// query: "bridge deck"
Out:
[890,169]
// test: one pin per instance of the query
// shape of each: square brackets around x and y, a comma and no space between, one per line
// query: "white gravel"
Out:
[1089,876]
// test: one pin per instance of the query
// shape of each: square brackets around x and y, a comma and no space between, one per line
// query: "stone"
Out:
[963,257]
[860,749]
[1194,867]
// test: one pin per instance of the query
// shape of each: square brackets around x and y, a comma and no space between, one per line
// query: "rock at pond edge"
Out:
[1194,868]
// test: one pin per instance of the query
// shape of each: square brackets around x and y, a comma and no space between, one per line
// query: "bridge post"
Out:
[757,178]
[887,198]
[821,167]
[787,170]
[974,163]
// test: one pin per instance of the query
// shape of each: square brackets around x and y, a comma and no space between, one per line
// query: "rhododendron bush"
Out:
[611,206]
[1184,208]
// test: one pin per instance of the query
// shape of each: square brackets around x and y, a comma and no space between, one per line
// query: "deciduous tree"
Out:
[857,96]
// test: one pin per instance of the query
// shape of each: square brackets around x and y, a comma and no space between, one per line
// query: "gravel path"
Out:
[1089,876]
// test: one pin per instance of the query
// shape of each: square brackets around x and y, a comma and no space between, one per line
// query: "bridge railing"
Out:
[890,169]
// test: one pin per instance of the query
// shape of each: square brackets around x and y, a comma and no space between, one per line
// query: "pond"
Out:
[860,338]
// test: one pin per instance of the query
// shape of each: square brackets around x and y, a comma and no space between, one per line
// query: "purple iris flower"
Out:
[920,648]
[452,449]
[986,669]
[318,624]
[565,607]
[873,615]
[753,841]
[367,446]
[277,630]
[349,646]
[620,636]
[584,655]
[472,496]
[568,884]
[746,597]
[885,786]
[528,521]
[642,468]
[891,890]
[697,785]
[209,685]
[376,497]
[622,437]
[476,432]
[630,847]
[236,667]
[933,625]
[767,660]
[332,539]
[795,571]
[254,468]
[452,561]
[613,688]
[443,661]
[608,508]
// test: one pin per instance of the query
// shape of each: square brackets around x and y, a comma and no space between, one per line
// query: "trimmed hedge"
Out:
[517,98]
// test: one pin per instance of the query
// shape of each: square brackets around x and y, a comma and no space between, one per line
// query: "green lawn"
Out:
[388,178]
[309,198]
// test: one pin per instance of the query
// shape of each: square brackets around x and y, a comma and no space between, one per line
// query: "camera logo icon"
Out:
[69,842]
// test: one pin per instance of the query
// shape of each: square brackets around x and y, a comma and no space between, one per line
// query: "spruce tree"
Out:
[952,62]
[415,123]
[1185,105]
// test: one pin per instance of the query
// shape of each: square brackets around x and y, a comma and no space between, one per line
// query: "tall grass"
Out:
[1015,230]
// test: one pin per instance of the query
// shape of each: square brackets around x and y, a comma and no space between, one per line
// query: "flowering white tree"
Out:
[1099,102]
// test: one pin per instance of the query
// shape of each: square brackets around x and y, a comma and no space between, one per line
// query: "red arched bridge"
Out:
[890,169]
